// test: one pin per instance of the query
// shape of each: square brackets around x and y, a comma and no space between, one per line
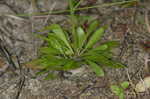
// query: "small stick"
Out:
[22,79]
[49,13]
[146,63]
[147,21]
[7,55]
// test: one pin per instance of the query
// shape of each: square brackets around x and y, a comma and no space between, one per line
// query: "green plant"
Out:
[74,47]
[119,90]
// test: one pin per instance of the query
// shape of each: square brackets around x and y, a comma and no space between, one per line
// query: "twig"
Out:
[22,79]
[7,55]
[21,83]
[129,78]
[146,62]
[17,18]
[84,90]
[147,21]
[49,13]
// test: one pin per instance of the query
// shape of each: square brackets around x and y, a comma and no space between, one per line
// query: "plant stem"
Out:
[77,9]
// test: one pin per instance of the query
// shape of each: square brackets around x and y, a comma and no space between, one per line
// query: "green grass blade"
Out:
[49,51]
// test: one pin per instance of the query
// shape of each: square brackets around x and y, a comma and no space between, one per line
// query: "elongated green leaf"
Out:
[95,37]
[100,48]
[122,96]
[115,89]
[53,61]
[92,27]
[111,44]
[115,64]
[58,44]
[103,49]
[105,53]
[49,61]
[49,50]
[70,64]
[60,34]
[125,84]
[81,37]
[58,63]
[35,64]
[42,72]
[72,4]
[41,36]
[54,41]
[104,61]
[97,69]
